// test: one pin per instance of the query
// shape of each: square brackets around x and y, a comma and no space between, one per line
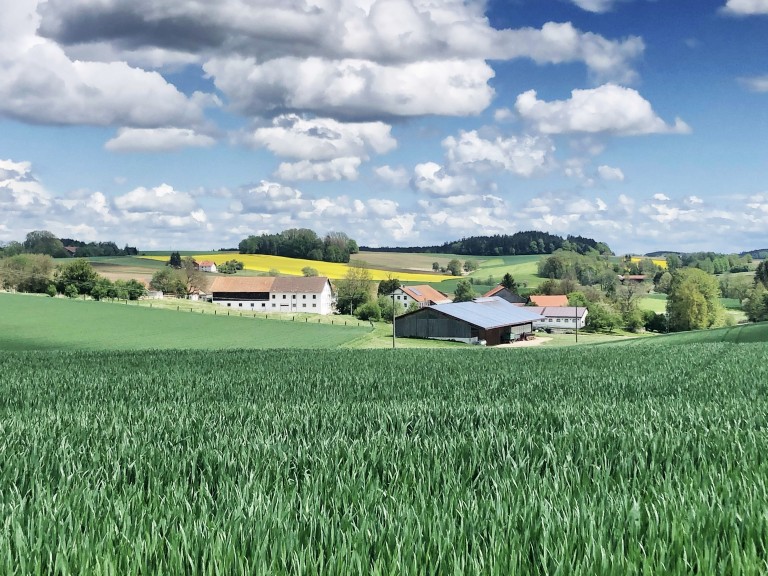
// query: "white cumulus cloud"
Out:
[610,173]
[432,178]
[157,140]
[522,156]
[746,7]
[345,168]
[293,136]
[397,176]
[608,109]
[163,199]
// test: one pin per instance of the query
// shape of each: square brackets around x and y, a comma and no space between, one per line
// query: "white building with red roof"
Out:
[207,266]
[423,295]
[267,294]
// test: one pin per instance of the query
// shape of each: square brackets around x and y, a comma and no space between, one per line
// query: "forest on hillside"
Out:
[519,243]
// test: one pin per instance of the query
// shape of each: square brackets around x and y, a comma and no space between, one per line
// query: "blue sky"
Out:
[190,125]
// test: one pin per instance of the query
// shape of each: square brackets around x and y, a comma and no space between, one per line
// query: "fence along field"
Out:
[42,323]
[603,460]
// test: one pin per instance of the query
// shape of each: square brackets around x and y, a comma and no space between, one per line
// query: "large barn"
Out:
[492,320]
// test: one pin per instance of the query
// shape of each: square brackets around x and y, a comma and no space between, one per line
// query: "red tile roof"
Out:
[542,300]
[309,284]
[241,284]
[206,263]
[425,293]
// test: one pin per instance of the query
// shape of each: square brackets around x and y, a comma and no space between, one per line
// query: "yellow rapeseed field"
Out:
[661,262]
[293,267]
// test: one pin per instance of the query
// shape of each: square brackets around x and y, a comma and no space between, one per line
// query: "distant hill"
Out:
[761,253]
[660,253]
[517,244]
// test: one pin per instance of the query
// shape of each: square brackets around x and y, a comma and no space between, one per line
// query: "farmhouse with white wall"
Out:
[423,296]
[312,295]
[560,317]
[206,266]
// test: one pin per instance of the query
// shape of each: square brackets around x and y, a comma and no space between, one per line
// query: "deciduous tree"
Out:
[44,242]
[693,300]
[168,281]
[454,267]
[194,280]
[79,273]
[756,303]
[26,272]
[389,285]
[761,273]
[354,289]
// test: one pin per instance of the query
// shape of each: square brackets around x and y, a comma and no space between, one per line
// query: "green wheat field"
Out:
[597,460]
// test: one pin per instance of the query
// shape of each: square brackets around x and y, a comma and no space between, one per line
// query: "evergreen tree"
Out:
[509,283]
[175,260]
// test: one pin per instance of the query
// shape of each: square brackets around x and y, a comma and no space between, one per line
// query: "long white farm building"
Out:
[312,295]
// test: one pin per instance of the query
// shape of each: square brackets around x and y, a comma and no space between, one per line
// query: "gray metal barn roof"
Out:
[488,313]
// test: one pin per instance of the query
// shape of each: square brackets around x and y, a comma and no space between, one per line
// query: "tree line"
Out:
[39,274]
[47,243]
[519,243]
[690,283]
[301,243]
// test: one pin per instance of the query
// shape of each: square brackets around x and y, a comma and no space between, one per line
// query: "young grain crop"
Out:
[385,462]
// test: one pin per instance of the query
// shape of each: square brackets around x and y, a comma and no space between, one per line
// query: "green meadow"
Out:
[740,334]
[43,323]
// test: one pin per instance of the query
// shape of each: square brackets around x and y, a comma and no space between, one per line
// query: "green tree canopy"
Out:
[509,283]
[387,310]
[693,300]
[761,273]
[26,272]
[44,242]
[454,267]
[79,273]
[168,281]
[602,317]
[354,289]
[464,292]
[175,260]
[194,280]
[388,286]
[756,303]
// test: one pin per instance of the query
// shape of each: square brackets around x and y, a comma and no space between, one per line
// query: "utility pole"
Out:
[393,319]
[577,324]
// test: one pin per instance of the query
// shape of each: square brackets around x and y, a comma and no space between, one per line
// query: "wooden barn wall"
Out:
[492,336]
[429,324]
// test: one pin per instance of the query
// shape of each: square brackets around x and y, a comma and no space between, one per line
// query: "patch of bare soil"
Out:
[537,341]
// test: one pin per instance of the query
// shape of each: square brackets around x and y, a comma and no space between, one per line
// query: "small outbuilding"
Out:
[492,320]
[507,294]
